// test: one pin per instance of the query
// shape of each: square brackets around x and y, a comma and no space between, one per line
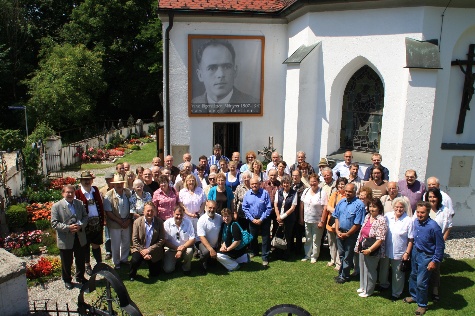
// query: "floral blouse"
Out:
[137,204]
[379,229]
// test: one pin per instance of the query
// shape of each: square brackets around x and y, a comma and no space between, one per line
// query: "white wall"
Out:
[255,131]
[350,40]
[458,33]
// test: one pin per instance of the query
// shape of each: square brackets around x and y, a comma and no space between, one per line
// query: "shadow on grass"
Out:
[453,266]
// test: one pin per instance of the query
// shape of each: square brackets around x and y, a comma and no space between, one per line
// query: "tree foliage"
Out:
[65,88]
[128,32]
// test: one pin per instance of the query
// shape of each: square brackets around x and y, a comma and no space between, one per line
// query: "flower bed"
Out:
[45,266]
[39,211]
[57,184]
[25,239]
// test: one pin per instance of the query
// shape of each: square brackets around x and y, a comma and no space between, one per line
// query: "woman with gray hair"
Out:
[138,198]
[399,241]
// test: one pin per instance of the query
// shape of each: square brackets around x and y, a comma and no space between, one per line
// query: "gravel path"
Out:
[459,246]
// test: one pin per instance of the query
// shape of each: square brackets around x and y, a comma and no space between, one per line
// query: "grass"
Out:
[252,290]
[143,156]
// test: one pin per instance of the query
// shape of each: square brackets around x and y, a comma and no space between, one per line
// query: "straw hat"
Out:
[117,179]
[86,175]
[323,162]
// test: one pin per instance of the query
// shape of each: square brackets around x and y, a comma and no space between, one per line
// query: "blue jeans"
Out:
[420,276]
[346,251]
[265,233]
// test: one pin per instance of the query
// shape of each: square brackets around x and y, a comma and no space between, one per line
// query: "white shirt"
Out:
[443,218]
[209,228]
[344,170]
[313,205]
[91,208]
[178,236]
[192,202]
[446,201]
[399,232]
[272,166]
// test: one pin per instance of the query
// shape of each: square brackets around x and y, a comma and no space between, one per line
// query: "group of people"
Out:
[164,215]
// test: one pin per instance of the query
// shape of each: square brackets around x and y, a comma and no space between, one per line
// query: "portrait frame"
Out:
[247,84]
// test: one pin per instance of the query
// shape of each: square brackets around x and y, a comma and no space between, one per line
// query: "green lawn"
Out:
[252,290]
[143,156]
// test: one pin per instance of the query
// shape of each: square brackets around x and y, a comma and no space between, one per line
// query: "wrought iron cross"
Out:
[468,88]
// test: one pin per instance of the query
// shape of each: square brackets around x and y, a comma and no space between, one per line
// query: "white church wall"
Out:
[197,132]
[351,39]
[458,33]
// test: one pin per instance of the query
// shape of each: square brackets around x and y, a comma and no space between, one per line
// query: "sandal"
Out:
[421,310]
[409,300]
[435,298]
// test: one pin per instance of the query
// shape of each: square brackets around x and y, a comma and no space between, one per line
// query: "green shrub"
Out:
[27,250]
[146,140]
[11,139]
[109,146]
[42,196]
[151,129]
[16,216]
[43,224]
[133,136]
[135,147]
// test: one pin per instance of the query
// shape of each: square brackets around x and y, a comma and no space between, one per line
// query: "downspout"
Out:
[167,81]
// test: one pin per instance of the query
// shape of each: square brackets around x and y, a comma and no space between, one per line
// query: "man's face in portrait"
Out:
[217,71]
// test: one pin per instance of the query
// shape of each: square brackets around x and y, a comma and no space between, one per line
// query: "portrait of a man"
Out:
[215,75]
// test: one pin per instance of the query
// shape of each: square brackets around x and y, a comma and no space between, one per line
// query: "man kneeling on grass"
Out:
[179,241]
[148,238]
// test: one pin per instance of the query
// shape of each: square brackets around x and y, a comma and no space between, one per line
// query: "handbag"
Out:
[367,243]
[279,242]
[405,265]
[246,237]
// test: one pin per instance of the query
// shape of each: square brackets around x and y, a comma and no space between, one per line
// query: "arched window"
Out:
[361,119]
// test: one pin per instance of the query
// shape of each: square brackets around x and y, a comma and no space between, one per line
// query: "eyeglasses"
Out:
[211,178]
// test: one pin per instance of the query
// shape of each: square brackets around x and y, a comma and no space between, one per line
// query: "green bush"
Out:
[151,129]
[115,140]
[11,139]
[16,216]
[43,224]
[109,146]
[146,140]
[133,136]
[27,250]
[42,196]
[135,147]
[31,155]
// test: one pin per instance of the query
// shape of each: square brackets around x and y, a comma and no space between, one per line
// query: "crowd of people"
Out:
[216,210]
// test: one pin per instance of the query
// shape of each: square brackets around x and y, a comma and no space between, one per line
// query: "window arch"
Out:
[362,113]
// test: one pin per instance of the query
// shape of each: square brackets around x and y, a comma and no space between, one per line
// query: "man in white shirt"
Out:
[342,169]
[179,241]
[208,228]
[275,162]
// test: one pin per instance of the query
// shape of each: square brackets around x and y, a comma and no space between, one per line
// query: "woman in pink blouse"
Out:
[375,228]
[165,198]
[193,199]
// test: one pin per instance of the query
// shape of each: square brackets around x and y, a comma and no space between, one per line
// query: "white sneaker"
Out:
[313,260]
[363,294]
[304,259]
[360,290]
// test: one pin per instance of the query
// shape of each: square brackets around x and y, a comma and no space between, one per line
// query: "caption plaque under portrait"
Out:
[225,75]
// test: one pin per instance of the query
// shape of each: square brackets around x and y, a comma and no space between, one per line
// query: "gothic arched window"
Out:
[362,113]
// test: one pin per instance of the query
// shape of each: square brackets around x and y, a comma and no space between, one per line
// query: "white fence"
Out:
[56,156]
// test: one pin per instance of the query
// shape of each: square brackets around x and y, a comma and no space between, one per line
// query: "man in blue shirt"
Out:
[217,156]
[349,216]
[257,207]
[427,253]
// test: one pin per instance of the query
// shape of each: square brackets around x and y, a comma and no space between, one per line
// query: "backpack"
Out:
[246,237]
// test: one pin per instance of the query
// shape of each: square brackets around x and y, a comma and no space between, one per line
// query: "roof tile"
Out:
[263,6]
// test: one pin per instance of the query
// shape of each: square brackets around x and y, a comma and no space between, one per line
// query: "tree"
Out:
[129,34]
[65,88]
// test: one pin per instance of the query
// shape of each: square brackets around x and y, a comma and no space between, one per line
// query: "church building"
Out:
[321,76]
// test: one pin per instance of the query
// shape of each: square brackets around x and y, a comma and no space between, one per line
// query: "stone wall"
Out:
[13,286]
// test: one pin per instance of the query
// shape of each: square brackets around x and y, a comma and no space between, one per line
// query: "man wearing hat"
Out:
[217,156]
[91,198]
[117,210]
[108,177]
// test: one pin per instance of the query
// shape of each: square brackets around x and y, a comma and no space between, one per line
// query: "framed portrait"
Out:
[225,75]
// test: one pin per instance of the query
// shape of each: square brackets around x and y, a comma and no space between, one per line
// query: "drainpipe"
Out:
[167,82]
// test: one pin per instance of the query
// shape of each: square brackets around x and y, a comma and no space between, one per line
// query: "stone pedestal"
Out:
[13,287]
